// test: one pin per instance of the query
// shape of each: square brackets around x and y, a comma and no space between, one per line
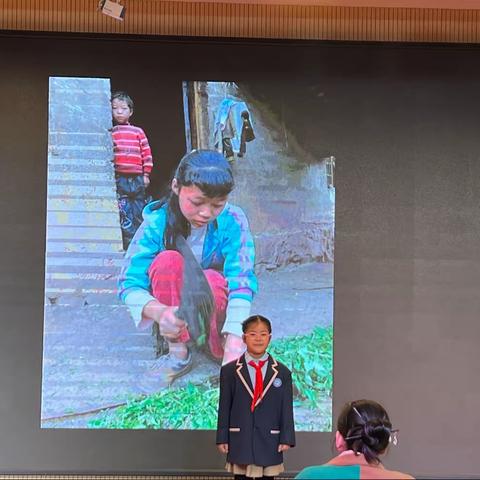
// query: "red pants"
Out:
[166,277]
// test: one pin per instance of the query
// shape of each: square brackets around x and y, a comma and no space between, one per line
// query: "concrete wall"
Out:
[280,184]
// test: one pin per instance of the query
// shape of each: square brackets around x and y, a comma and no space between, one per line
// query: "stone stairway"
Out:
[93,353]
[84,247]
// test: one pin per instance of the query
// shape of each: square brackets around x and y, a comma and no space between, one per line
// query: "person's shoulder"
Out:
[155,213]
[232,215]
[131,128]
[125,127]
[229,367]
[329,472]
[308,472]
[281,366]
[141,131]
[373,471]
[135,127]
[396,475]
[232,210]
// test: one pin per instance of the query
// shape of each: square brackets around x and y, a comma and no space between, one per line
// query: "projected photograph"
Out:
[146,283]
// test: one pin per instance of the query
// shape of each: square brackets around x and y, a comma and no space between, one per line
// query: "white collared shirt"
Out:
[251,370]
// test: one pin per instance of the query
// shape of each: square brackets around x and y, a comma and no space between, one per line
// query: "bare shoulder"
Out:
[400,475]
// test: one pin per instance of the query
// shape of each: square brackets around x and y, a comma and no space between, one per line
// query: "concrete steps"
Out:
[84,247]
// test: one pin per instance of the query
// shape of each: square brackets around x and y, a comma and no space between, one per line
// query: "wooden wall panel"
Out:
[242,20]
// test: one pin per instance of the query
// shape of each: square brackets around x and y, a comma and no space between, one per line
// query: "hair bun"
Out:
[376,434]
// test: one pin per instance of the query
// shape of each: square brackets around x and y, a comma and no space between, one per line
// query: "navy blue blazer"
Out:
[253,438]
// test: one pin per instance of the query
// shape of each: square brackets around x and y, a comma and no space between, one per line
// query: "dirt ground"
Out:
[94,355]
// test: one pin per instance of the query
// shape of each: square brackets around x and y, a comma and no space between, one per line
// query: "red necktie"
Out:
[257,393]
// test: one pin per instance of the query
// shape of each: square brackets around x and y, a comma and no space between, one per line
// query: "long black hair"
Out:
[366,428]
[211,173]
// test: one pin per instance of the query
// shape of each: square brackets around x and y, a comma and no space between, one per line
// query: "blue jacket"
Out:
[228,248]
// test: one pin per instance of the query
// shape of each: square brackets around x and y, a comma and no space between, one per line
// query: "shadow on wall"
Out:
[286,191]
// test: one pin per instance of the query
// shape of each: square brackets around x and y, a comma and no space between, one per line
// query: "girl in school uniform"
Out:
[255,414]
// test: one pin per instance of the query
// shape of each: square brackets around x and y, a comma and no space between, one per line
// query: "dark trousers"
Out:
[131,200]
[227,148]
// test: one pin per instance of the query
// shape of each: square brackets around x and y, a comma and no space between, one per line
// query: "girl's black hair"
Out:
[366,428]
[256,319]
[211,173]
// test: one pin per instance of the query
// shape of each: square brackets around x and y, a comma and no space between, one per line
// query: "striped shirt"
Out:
[132,154]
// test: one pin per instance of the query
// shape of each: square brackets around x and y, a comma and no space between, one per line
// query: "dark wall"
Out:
[403,123]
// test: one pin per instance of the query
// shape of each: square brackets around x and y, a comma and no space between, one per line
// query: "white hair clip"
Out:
[393,437]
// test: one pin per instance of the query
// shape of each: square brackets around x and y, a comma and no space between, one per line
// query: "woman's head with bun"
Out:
[364,427]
